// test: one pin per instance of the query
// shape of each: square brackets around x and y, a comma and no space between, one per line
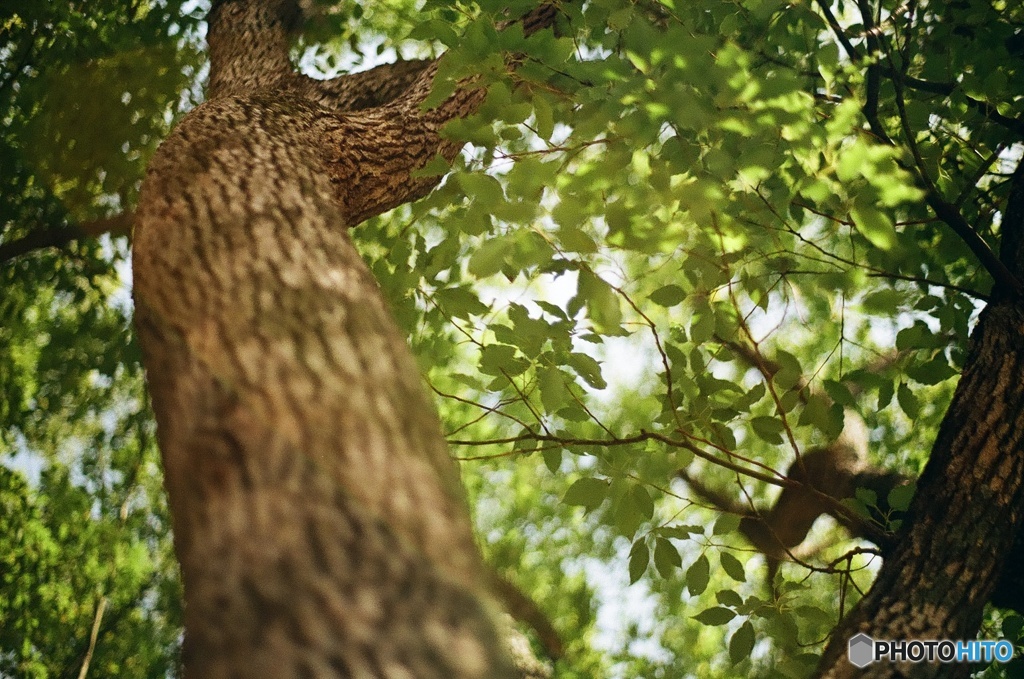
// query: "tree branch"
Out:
[366,89]
[946,212]
[1004,278]
[62,236]
[870,108]
[840,34]
[875,70]
[1015,125]
[769,476]
[93,635]
[372,155]
[1011,248]
[525,610]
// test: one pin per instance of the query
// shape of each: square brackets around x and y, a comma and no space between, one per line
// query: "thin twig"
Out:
[488,409]
[661,352]
[874,271]
[777,480]
[93,635]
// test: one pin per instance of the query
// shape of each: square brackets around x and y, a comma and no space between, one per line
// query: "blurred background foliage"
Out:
[87,91]
[658,192]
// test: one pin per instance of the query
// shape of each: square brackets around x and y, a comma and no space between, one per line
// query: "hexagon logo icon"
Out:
[861,651]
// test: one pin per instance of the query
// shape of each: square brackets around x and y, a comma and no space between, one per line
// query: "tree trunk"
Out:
[318,518]
[970,499]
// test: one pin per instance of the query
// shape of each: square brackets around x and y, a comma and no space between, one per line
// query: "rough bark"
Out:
[969,505]
[318,517]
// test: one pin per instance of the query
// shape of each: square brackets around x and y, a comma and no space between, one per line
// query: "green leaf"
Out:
[587,492]
[573,239]
[742,643]
[886,390]
[460,302]
[434,29]
[642,502]
[554,392]
[543,118]
[668,295]
[884,301]
[768,429]
[1012,626]
[867,497]
[680,532]
[718,615]
[437,166]
[666,557]
[501,359]
[490,257]
[733,567]
[839,393]
[702,328]
[587,368]
[726,523]
[552,309]
[602,303]
[858,507]
[908,401]
[900,497]
[552,458]
[527,444]
[875,225]
[817,412]
[789,372]
[912,337]
[639,558]
[728,597]
[482,187]
[698,575]
[932,372]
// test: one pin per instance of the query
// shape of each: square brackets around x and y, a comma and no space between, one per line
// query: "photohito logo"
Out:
[863,650]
